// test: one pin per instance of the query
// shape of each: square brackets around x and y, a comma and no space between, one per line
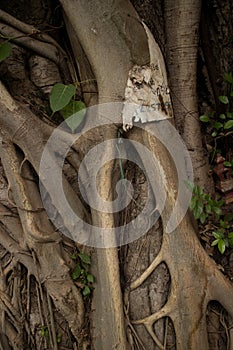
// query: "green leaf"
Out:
[73,256]
[204,118]
[217,235]
[208,208]
[85,258]
[44,331]
[203,217]
[221,246]
[74,113]
[231,94]
[222,116]
[230,239]
[228,124]
[90,278]
[193,203]
[229,77]
[214,133]
[207,197]
[197,190]
[223,99]
[189,185]
[76,272]
[227,164]
[86,291]
[60,96]
[229,115]
[218,125]
[197,212]
[224,224]
[215,242]
[217,210]
[5,51]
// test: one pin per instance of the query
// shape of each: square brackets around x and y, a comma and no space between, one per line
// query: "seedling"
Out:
[62,98]
[203,205]
[81,273]
[222,124]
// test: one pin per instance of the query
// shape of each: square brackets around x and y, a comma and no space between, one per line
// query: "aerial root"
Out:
[138,282]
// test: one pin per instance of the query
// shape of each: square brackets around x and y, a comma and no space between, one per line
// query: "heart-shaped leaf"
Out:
[85,258]
[86,291]
[76,273]
[90,278]
[228,124]
[73,114]
[60,96]
[223,99]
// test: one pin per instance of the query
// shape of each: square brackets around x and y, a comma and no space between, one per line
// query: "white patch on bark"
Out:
[147,96]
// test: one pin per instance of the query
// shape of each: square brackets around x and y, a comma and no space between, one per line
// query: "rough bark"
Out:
[167,281]
[182,46]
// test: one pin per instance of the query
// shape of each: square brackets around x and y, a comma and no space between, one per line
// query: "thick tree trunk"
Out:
[182,46]
[158,297]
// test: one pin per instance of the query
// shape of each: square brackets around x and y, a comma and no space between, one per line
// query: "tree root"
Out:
[195,278]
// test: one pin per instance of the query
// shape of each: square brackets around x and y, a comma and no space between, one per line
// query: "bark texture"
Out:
[158,292]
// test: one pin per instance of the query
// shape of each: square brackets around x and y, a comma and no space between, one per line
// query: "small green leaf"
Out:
[197,212]
[86,291]
[217,235]
[230,239]
[197,190]
[208,208]
[207,197]
[90,278]
[203,217]
[85,258]
[73,256]
[221,246]
[224,224]
[223,99]
[228,124]
[215,242]
[60,96]
[229,77]
[76,272]
[204,118]
[214,133]
[227,164]
[229,115]
[73,114]
[193,203]
[44,331]
[222,116]
[217,210]
[5,51]
[189,185]
[218,125]
[231,94]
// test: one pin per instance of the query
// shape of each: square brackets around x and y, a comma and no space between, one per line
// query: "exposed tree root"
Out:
[195,278]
